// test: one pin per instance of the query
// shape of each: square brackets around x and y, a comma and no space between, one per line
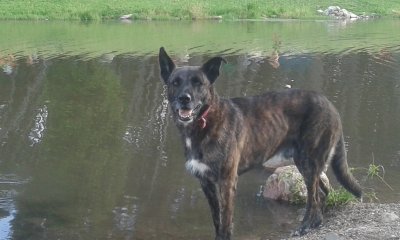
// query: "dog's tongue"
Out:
[185,113]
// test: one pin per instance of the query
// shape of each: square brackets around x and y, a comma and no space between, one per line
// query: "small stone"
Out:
[332,236]
[127,16]
[216,17]
[389,217]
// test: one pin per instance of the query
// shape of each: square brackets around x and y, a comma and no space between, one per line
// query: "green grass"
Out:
[184,9]
[339,196]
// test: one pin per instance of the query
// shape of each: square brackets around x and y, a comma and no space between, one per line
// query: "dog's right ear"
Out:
[211,68]
[167,66]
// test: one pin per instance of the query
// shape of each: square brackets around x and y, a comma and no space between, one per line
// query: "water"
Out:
[88,149]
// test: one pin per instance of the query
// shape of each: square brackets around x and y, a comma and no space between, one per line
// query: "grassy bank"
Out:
[184,9]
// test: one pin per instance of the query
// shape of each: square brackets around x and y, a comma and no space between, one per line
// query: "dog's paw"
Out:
[307,226]
[300,231]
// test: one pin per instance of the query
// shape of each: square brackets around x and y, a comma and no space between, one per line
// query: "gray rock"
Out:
[352,15]
[287,184]
[346,13]
[332,236]
[333,8]
[389,217]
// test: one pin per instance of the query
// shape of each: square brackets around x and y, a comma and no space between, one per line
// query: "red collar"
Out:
[203,118]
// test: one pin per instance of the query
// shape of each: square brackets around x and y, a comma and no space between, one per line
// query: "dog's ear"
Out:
[166,64]
[211,68]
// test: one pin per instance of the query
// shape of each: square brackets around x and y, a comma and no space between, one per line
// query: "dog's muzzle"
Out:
[187,115]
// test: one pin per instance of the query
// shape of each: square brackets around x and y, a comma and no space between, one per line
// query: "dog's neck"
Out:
[202,121]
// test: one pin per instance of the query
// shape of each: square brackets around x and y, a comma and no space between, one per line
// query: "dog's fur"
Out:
[224,138]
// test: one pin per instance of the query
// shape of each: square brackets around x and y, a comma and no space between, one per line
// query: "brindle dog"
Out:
[224,138]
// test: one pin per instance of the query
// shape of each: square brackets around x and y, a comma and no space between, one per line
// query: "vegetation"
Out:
[184,9]
[340,196]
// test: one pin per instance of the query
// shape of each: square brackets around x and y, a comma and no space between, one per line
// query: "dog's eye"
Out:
[196,81]
[176,82]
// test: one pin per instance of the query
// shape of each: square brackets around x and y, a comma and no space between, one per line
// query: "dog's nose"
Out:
[184,98]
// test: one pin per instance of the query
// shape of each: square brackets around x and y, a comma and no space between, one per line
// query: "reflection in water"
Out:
[37,132]
[8,185]
[104,161]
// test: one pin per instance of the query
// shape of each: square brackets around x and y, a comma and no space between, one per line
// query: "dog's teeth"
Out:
[185,113]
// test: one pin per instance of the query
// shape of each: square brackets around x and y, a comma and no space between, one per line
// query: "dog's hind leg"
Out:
[323,194]
[313,215]
[311,161]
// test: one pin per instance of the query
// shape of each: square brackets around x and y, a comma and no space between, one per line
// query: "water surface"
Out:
[88,149]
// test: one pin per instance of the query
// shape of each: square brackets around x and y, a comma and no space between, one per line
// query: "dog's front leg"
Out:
[227,188]
[220,198]
[211,191]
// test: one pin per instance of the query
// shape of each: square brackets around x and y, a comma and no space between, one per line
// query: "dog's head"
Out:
[190,88]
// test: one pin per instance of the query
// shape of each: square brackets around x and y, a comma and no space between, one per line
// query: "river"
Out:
[88,149]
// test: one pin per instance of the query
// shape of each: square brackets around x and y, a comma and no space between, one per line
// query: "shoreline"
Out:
[102,10]
[358,221]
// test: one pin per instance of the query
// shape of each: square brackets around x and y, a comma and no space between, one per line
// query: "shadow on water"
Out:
[88,149]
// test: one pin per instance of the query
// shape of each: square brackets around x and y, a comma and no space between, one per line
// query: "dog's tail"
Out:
[341,170]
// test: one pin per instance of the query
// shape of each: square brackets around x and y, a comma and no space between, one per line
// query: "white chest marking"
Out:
[188,142]
[195,167]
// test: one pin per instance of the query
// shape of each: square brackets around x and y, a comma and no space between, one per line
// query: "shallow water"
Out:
[88,149]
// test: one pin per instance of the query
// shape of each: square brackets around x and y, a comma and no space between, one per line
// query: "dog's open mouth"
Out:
[185,115]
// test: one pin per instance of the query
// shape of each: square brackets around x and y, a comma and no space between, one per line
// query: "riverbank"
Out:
[98,10]
[359,221]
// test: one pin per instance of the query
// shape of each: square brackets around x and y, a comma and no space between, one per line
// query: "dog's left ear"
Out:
[166,64]
[211,68]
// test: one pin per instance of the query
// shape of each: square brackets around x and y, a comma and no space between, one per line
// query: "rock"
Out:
[216,17]
[352,15]
[346,13]
[287,184]
[337,12]
[332,236]
[127,16]
[389,217]
[332,9]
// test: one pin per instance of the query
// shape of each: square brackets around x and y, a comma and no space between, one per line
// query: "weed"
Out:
[339,196]
[377,171]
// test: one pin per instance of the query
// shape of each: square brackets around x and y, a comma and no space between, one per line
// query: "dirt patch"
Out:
[358,221]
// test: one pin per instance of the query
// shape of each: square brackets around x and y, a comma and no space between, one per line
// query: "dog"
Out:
[224,138]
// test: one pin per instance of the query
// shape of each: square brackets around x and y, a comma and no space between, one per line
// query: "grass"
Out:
[339,196]
[184,9]
[377,171]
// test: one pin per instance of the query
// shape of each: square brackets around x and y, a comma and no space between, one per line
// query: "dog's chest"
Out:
[194,162]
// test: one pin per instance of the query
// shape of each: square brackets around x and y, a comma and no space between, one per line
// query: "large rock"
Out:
[287,184]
